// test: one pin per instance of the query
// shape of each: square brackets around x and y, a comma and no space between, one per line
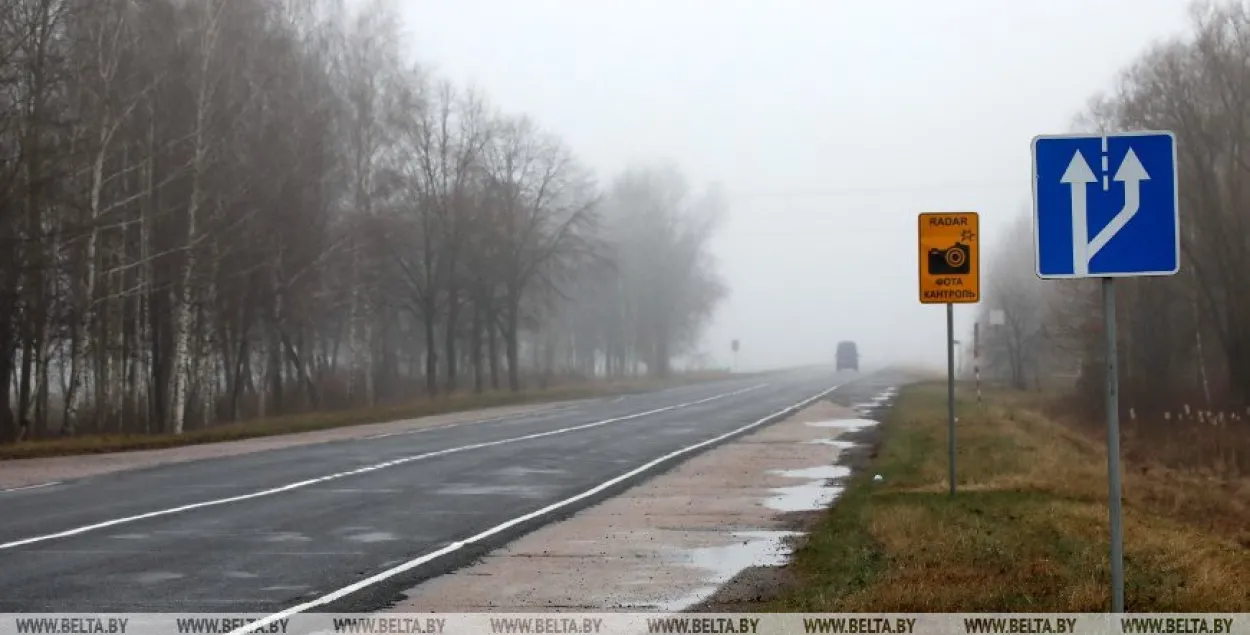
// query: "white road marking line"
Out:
[418,430]
[456,546]
[26,487]
[448,426]
[363,470]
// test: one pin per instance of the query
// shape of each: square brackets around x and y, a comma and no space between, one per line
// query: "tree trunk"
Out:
[243,354]
[492,352]
[278,407]
[8,427]
[449,338]
[181,367]
[475,345]
[511,330]
[662,354]
[30,348]
[431,354]
[159,379]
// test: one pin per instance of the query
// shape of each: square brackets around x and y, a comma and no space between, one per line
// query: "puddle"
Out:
[841,445]
[155,577]
[823,472]
[518,472]
[373,536]
[844,424]
[753,549]
[811,496]
[286,536]
[519,491]
[803,498]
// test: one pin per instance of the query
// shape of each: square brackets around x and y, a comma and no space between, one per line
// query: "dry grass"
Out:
[1212,442]
[1028,529]
[310,422]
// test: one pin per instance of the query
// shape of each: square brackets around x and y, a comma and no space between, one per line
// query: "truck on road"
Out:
[848,356]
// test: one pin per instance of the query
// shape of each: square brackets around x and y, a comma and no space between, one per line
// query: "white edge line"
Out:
[368,468]
[460,544]
[26,487]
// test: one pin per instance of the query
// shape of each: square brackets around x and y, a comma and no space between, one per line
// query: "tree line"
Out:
[214,210]
[1183,339]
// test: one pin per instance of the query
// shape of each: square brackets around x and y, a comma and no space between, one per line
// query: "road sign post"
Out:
[735,349]
[1086,228]
[950,273]
[950,395]
[976,358]
[1114,485]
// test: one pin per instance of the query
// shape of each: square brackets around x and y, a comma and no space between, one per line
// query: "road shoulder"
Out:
[729,514]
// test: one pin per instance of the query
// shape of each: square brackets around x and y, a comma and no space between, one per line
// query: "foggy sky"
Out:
[830,123]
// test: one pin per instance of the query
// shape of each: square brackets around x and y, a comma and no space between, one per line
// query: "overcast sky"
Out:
[831,123]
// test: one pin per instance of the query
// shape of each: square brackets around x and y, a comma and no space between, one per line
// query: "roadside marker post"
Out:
[950,273]
[1119,222]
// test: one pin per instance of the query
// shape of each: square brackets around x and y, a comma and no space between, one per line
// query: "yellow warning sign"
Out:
[950,258]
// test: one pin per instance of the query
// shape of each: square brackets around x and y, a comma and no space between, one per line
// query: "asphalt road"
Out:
[267,531]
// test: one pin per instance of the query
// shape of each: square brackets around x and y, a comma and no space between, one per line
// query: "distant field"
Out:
[310,422]
[1028,529]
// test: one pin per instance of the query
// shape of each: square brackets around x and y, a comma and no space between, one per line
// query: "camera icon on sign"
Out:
[950,261]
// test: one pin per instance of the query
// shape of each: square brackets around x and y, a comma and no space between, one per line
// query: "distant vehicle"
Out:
[848,356]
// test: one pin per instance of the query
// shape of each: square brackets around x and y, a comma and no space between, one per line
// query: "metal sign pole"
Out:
[1067,207]
[950,391]
[976,358]
[1113,449]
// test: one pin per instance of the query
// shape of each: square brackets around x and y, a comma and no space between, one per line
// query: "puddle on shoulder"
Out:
[722,564]
[844,424]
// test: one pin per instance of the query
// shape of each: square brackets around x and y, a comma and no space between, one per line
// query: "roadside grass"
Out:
[314,421]
[1028,528]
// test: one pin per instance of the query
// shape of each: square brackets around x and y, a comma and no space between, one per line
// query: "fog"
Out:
[276,206]
[829,124]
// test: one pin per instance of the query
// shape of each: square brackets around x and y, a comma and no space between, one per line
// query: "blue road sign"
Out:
[1106,206]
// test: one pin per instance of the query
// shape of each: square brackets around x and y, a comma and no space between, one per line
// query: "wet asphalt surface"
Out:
[266,531]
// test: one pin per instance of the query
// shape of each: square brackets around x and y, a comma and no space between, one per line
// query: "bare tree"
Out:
[1015,347]
[544,206]
[219,210]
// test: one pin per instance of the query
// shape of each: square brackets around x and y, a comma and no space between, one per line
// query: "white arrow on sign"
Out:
[1131,174]
[1078,176]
